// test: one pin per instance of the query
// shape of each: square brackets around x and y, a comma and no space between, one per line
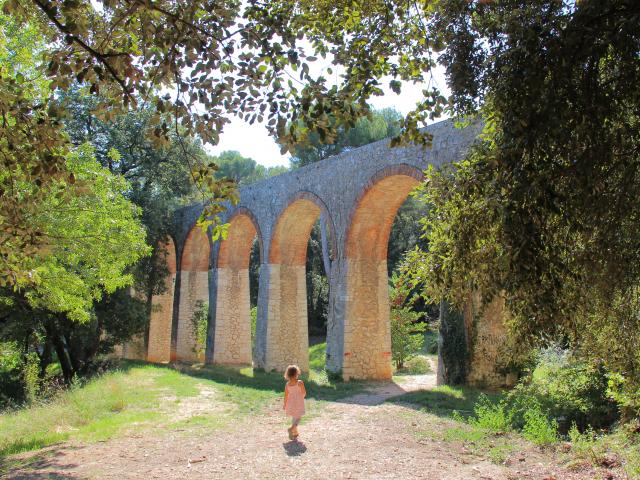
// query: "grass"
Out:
[480,425]
[95,411]
[317,356]
[418,365]
[455,406]
[141,395]
[622,446]
[443,401]
[421,363]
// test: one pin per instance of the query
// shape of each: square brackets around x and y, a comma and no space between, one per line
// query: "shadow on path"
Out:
[50,464]
[294,448]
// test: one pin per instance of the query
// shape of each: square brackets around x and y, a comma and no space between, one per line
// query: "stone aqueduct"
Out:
[357,194]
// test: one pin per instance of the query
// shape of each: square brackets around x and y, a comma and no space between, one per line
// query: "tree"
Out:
[380,124]
[544,209]
[243,170]
[198,63]
[407,332]
[98,237]
[160,177]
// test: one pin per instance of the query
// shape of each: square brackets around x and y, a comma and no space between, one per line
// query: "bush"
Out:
[407,335]
[564,389]
[199,325]
[418,365]
[490,415]
[538,428]
[11,381]
[31,377]
[254,320]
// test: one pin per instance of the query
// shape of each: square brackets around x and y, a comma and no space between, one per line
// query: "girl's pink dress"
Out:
[295,401]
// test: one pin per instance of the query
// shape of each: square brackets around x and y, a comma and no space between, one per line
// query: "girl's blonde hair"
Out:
[291,371]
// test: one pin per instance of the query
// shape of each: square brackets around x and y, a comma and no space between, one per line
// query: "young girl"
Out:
[294,393]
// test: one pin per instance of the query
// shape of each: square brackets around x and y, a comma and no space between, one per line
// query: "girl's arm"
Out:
[286,394]
[304,390]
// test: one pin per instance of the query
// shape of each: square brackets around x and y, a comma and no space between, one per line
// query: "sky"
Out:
[253,141]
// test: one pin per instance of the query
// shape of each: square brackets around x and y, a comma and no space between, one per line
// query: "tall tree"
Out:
[97,237]
[544,209]
[380,124]
[199,62]
[243,170]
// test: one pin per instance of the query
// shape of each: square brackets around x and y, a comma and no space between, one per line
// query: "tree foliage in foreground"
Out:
[198,63]
[77,306]
[544,210]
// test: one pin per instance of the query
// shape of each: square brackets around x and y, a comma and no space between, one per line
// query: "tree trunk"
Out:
[61,352]
[91,351]
[73,353]
[45,358]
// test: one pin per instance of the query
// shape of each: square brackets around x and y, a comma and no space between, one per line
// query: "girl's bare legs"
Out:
[294,426]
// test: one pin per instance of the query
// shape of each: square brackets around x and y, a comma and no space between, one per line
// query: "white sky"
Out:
[253,140]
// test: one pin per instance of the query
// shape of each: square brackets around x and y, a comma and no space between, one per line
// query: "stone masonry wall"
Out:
[287,330]
[367,336]
[487,336]
[194,288]
[159,349]
[233,322]
[232,326]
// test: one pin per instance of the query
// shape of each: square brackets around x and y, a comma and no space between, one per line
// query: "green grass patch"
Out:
[317,356]
[418,365]
[622,446]
[95,411]
[443,401]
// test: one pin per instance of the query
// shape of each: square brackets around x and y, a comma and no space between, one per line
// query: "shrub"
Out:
[564,389]
[622,391]
[407,335]
[418,365]
[11,380]
[254,320]
[199,325]
[31,377]
[491,415]
[538,428]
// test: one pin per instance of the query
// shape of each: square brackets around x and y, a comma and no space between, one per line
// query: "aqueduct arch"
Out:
[194,291]
[161,321]
[231,333]
[358,193]
[287,337]
[367,337]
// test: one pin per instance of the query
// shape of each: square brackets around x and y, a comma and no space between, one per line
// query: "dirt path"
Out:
[360,437]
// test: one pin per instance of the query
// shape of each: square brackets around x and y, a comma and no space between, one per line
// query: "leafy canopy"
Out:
[544,210]
[196,63]
[97,236]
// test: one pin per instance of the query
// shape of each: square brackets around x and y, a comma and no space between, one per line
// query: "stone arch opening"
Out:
[194,293]
[287,330]
[160,321]
[367,337]
[232,328]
